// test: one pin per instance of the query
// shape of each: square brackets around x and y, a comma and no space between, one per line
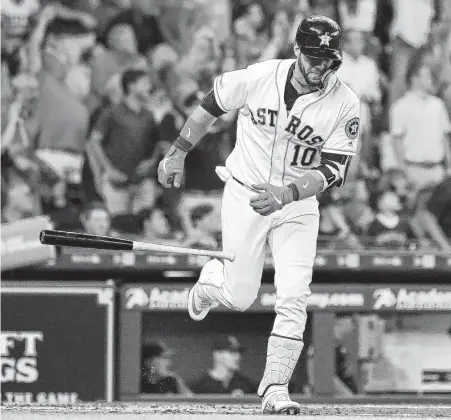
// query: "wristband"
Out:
[182,144]
[294,190]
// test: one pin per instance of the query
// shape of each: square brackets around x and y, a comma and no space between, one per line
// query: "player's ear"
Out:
[296,49]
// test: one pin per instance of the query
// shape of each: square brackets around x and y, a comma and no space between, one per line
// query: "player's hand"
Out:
[170,169]
[270,199]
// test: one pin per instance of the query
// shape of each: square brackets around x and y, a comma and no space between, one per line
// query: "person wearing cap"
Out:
[224,376]
[156,376]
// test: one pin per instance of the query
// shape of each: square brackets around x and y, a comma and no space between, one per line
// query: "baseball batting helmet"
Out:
[320,36]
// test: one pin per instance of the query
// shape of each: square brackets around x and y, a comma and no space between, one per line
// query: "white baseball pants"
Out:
[291,234]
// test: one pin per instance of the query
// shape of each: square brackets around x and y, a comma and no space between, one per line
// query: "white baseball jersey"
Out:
[277,146]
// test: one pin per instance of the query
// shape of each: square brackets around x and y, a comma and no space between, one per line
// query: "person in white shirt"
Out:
[359,71]
[420,128]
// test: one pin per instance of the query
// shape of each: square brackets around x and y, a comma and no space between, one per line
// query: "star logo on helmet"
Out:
[325,39]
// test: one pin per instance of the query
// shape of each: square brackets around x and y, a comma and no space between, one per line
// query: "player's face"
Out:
[210,222]
[161,365]
[314,68]
[231,360]
[122,38]
[141,88]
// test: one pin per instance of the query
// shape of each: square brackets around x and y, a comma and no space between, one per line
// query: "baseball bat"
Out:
[83,240]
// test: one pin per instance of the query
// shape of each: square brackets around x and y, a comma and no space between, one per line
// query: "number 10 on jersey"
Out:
[303,156]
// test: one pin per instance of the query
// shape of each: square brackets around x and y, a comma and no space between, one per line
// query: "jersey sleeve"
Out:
[230,89]
[345,136]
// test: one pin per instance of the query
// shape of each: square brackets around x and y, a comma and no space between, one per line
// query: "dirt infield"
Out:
[178,411]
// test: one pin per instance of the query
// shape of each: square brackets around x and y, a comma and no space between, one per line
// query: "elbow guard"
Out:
[210,105]
[333,169]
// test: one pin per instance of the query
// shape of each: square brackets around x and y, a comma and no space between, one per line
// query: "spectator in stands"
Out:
[163,58]
[17,20]
[155,227]
[205,226]
[19,196]
[228,59]
[142,17]
[120,54]
[410,31]
[95,219]
[106,10]
[60,200]
[362,75]
[357,15]
[67,42]
[335,231]
[201,61]
[420,128]
[435,217]
[325,8]
[440,53]
[296,11]
[251,33]
[62,130]
[389,229]
[156,377]
[279,44]
[359,71]
[224,376]
[357,208]
[18,119]
[123,140]
[396,180]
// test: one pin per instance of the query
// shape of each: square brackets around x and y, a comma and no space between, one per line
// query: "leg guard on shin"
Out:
[282,355]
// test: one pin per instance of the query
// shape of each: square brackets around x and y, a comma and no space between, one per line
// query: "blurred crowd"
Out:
[93,92]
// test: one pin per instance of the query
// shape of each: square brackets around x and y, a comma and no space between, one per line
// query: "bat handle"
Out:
[83,240]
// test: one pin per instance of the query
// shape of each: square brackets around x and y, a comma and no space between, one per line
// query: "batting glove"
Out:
[271,198]
[170,169]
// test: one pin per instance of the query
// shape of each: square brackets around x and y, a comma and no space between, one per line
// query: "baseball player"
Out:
[298,128]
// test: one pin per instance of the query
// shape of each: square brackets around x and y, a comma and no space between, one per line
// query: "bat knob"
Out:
[43,237]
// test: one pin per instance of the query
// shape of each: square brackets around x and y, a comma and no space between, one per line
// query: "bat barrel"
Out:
[82,240]
[147,246]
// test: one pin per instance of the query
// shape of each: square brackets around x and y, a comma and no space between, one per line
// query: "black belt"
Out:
[239,182]
[244,185]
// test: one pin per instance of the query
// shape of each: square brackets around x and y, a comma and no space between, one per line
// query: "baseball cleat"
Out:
[198,308]
[277,401]
[198,301]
